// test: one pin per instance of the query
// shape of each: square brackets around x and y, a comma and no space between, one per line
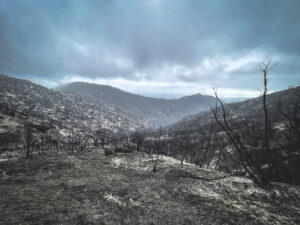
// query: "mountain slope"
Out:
[211,146]
[152,110]
[251,109]
[21,99]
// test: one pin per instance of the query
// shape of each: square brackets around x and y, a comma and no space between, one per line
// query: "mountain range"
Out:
[22,100]
[85,107]
[251,109]
[152,111]
[89,107]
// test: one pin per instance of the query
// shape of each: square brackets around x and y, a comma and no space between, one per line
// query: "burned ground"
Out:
[91,188]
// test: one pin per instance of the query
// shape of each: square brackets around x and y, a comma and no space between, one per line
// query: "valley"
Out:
[75,158]
[149,112]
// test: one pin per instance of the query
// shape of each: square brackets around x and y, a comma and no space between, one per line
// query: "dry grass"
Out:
[94,189]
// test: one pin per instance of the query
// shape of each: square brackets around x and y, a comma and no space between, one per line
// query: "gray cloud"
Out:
[188,42]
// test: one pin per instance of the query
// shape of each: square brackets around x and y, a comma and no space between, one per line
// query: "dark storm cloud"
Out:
[150,40]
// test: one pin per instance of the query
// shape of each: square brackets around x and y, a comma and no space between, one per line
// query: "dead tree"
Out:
[265,68]
[33,132]
[83,140]
[288,158]
[225,160]
[174,145]
[154,146]
[204,148]
[29,139]
[104,137]
[96,137]
[115,141]
[71,140]
[138,138]
[186,140]
[256,160]
[292,121]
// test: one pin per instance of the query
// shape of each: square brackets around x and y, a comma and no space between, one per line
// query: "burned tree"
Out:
[115,141]
[96,137]
[138,138]
[254,154]
[29,138]
[186,140]
[287,159]
[154,145]
[203,148]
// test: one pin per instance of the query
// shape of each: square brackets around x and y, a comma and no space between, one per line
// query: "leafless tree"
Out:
[116,142]
[203,148]
[223,155]
[265,68]
[71,140]
[291,122]
[186,140]
[138,138]
[256,158]
[154,145]
[82,141]
[288,158]
[96,137]
[29,139]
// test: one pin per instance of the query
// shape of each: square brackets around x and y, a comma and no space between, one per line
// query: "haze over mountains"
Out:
[152,111]
[87,107]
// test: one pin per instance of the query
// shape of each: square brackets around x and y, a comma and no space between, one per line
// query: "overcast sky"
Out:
[159,48]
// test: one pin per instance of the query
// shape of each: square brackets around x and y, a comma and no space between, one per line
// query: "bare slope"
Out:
[250,109]
[21,98]
[94,189]
[246,119]
[152,110]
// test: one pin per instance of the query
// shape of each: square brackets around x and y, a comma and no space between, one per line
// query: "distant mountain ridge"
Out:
[153,111]
[251,109]
[20,98]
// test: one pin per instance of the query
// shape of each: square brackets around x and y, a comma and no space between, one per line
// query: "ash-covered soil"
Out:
[91,188]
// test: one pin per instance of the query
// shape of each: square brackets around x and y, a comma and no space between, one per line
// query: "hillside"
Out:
[152,110]
[251,109]
[93,189]
[201,140]
[21,99]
